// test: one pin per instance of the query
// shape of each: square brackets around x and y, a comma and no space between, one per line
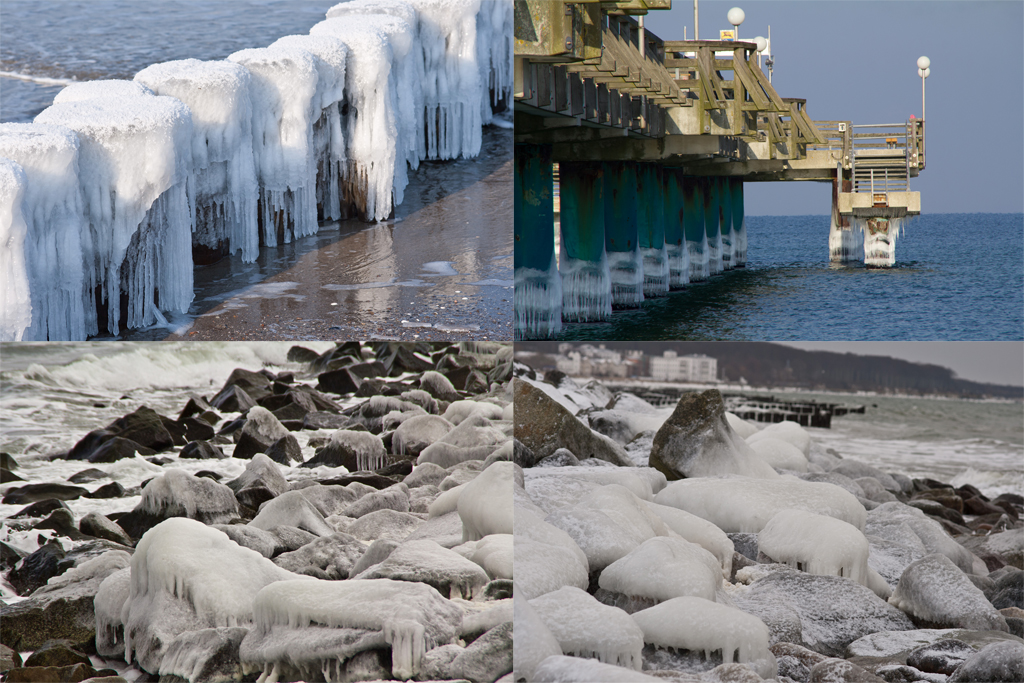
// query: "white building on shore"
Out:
[672,367]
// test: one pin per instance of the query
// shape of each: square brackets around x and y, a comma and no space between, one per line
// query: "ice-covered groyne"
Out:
[125,185]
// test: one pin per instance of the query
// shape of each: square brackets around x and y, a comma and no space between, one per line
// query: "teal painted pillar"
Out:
[709,186]
[651,226]
[675,237]
[583,264]
[538,288]
[725,220]
[694,228]
[739,225]
[621,237]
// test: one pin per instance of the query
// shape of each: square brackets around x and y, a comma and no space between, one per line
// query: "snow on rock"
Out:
[787,431]
[418,432]
[179,494]
[291,509]
[694,623]
[931,534]
[546,558]
[562,669]
[373,134]
[533,639]
[135,168]
[316,625]
[782,455]
[697,441]
[485,505]
[995,662]
[818,544]
[662,568]
[699,531]
[186,576]
[283,88]
[54,227]
[934,590]
[427,562]
[585,628]
[17,296]
[739,504]
[217,93]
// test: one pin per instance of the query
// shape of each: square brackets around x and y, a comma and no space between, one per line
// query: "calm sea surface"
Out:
[957,277]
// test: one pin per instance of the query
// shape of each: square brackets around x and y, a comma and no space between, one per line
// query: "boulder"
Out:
[260,432]
[99,526]
[487,658]
[993,664]
[202,450]
[939,595]
[328,557]
[209,654]
[37,568]
[33,493]
[940,657]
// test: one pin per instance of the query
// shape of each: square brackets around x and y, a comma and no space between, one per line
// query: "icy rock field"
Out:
[114,191]
[687,544]
[279,529]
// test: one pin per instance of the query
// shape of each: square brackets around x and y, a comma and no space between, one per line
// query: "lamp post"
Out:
[761,45]
[924,71]
[736,17]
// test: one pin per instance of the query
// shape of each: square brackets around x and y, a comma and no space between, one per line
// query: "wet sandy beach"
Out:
[440,269]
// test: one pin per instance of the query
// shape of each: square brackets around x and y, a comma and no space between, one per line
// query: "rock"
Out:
[944,497]
[392,498]
[300,354]
[940,657]
[9,659]
[487,658]
[745,544]
[9,556]
[936,509]
[341,381]
[179,494]
[562,457]
[350,449]
[144,427]
[543,426]
[197,405]
[324,420]
[839,670]
[209,654]
[331,556]
[118,448]
[202,450]
[1008,545]
[233,400]
[698,441]
[259,433]
[63,522]
[425,561]
[6,476]
[1007,589]
[111,490]
[55,674]
[425,474]
[937,594]
[260,471]
[292,509]
[854,469]
[85,476]
[40,508]
[256,385]
[56,653]
[99,526]
[36,569]
[33,493]
[994,663]
[285,450]
[822,613]
[521,455]
[418,432]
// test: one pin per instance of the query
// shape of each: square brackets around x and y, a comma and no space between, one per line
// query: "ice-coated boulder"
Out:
[543,426]
[418,432]
[562,669]
[179,494]
[352,450]
[782,455]
[494,553]
[546,558]
[585,628]
[787,431]
[291,509]
[328,557]
[818,544]
[318,625]
[694,623]
[934,590]
[457,411]
[855,469]
[485,504]
[994,663]
[697,441]
[699,531]
[533,640]
[929,532]
[260,431]
[662,568]
[427,562]
[739,504]
[741,426]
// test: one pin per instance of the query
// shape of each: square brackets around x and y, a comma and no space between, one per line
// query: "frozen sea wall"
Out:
[124,186]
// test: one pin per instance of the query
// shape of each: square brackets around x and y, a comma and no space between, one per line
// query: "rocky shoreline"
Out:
[367,537]
[698,546]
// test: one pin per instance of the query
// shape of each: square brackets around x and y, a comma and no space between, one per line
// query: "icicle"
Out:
[586,288]
[678,257]
[627,274]
[739,243]
[656,272]
[16,302]
[714,252]
[538,302]
[700,267]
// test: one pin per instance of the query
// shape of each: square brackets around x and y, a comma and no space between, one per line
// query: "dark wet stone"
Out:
[1008,589]
[36,569]
[111,490]
[145,427]
[254,496]
[89,443]
[100,526]
[840,670]
[487,658]
[202,450]
[55,674]
[399,469]
[40,508]
[370,479]
[521,455]
[157,460]
[9,556]
[285,450]
[342,354]
[118,448]
[946,497]
[32,493]
[745,544]
[300,354]
[341,381]
[63,522]
[57,653]
[197,405]
[9,658]
[937,509]
[85,476]
[6,476]
[940,657]
[8,462]
[398,357]
[197,429]
[978,506]
[299,399]
[233,399]
[498,589]
[324,420]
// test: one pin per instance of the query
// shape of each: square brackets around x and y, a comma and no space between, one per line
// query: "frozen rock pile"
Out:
[685,544]
[335,554]
[119,187]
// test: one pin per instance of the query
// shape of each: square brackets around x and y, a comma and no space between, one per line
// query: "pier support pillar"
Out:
[621,234]
[538,287]
[845,237]
[709,188]
[694,229]
[739,225]
[725,220]
[879,240]
[583,264]
[676,250]
[651,226]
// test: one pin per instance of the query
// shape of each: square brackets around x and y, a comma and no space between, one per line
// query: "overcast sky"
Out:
[995,362]
[855,60]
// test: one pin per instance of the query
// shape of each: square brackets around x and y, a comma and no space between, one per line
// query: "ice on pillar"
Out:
[582,261]
[376,175]
[739,225]
[328,134]
[283,88]
[651,230]
[135,168]
[676,250]
[845,242]
[621,235]
[55,221]
[709,186]
[537,300]
[15,298]
[879,239]
[725,221]
[694,229]
[217,92]
[494,30]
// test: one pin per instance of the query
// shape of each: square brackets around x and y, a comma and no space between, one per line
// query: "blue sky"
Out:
[856,60]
